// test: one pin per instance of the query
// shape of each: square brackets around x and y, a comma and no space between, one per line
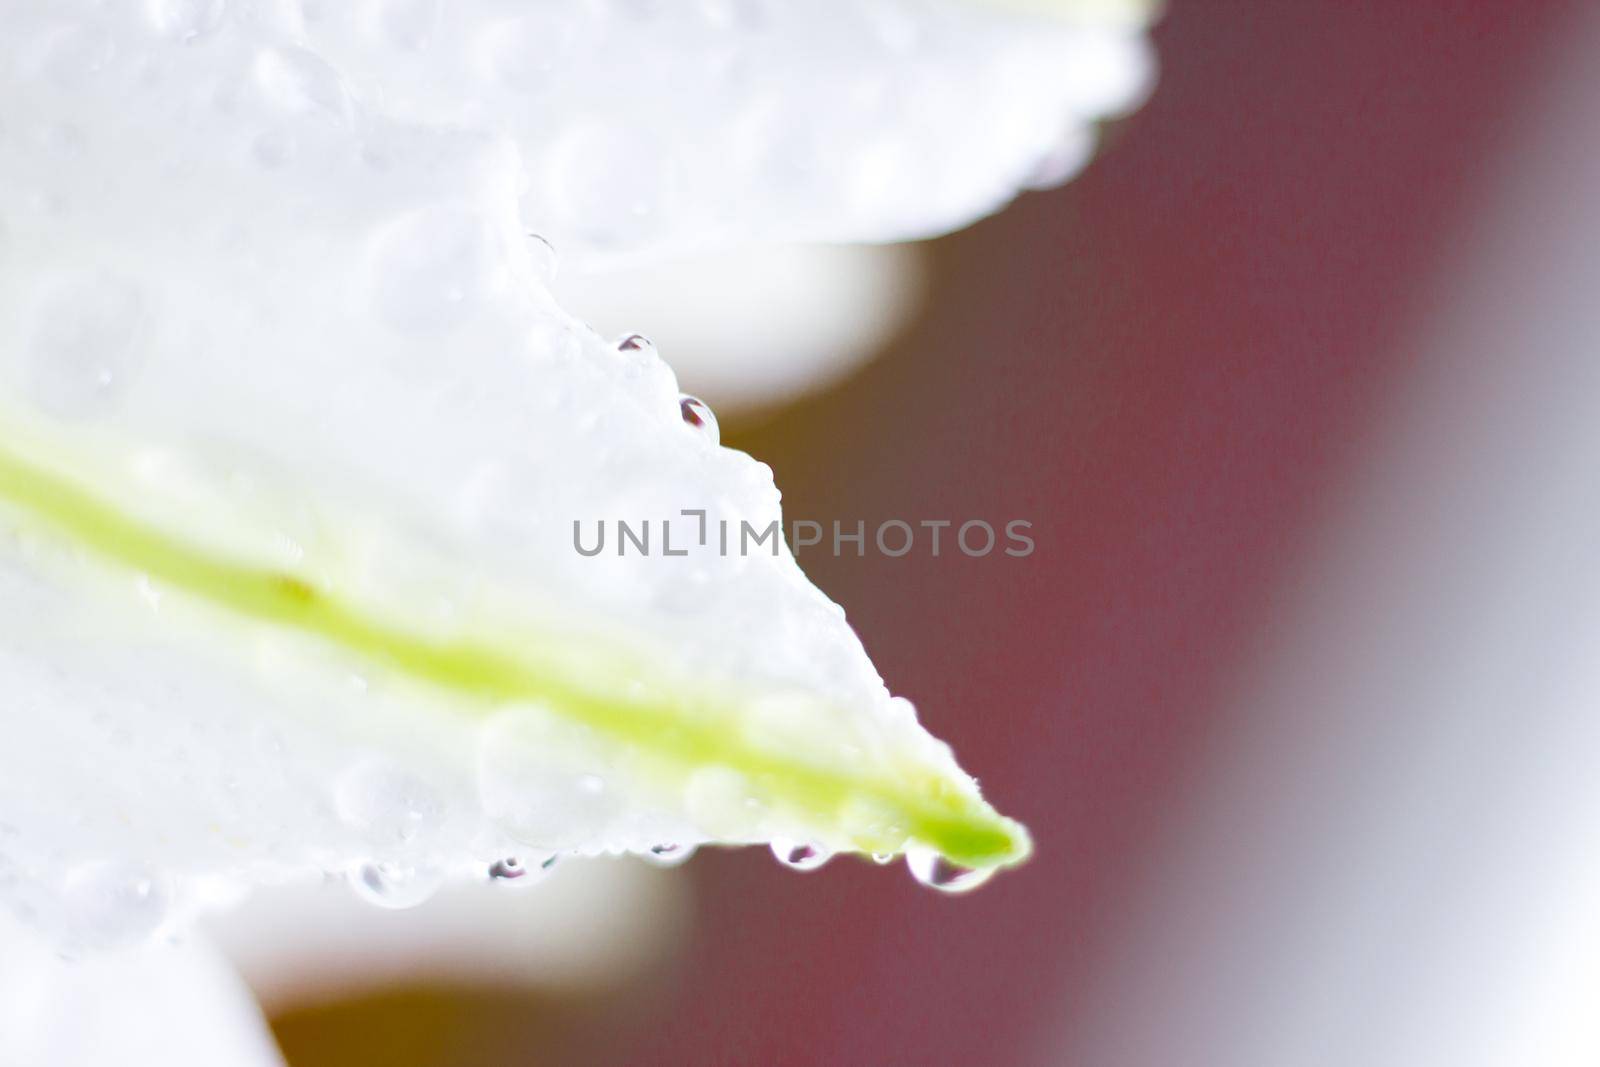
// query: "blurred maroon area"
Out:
[1164,366]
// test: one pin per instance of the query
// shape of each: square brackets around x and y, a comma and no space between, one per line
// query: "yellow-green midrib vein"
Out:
[962,828]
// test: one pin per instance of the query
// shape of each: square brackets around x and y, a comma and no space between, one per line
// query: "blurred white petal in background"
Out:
[589,925]
[173,1005]
[755,327]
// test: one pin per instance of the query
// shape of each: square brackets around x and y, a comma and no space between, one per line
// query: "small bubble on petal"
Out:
[799,855]
[545,261]
[934,871]
[433,270]
[85,350]
[185,20]
[697,413]
[386,800]
[393,885]
[111,904]
[669,855]
[514,872]
[301,82]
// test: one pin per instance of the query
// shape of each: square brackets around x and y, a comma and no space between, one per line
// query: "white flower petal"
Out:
[159,1004]
[752,328]
[752,120]
[293,442]
[595,923]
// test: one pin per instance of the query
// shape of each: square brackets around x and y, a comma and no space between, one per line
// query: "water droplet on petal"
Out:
[508,870]
[393,885]
[799,855]
[301,82]
[738,15]
[881,858]
[74,54]
[669,855]
[410,24]
[86,349]
[514,872]
[433,270]
[635,342]
[640,10]
[529,784]
[273,148]
[527,53]
[936,872]
[111,904]
[387,800]
[185,20]
[152,594]
[545,260]
[613,184]
[716,799]
[697,413]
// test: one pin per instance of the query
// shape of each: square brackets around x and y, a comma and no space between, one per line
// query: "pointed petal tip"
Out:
[982,840]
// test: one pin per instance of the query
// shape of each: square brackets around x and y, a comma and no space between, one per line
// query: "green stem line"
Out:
[922,802]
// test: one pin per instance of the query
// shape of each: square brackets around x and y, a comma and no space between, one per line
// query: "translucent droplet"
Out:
[527,53]
[716,799]
[670,855]
[882,858]
[85,349]
[386,800]
[697,413]
[746,15]
[514,872]
[433,270]
[301,82]
[111,904]
[152,594]
[394,885]
[185,20]
[636,342]
[538,778]
[640,10]
[273,148]
[799,855]
[543,254]
[509,869]
[936,872]
[409,24]
[74,54]
[267,742]
[613,183]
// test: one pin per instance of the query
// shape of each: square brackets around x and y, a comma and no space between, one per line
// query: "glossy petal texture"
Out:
[294,442]
[647,126]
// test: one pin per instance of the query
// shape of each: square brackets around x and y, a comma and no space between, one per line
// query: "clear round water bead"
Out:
[934,871]
[269,291]
[635,342]
[697,413]
[670,855]
[394,885]
[799,855]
